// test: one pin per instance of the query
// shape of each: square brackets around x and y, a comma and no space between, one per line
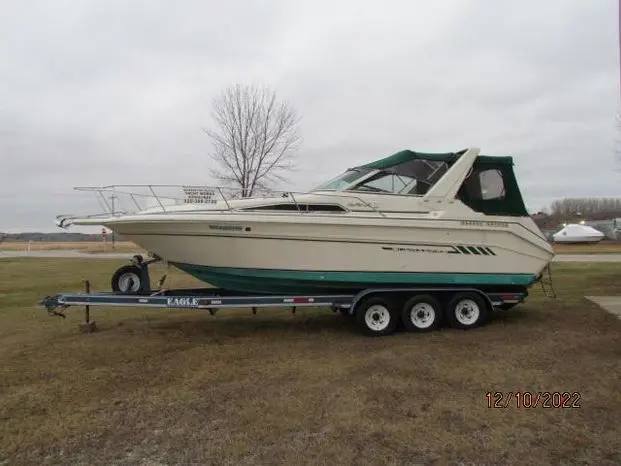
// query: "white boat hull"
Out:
[341,252]
[579,239]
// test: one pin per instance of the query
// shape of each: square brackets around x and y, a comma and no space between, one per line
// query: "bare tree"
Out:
[255,137]
[593,208]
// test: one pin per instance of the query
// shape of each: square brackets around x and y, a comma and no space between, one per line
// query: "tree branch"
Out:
[254,137]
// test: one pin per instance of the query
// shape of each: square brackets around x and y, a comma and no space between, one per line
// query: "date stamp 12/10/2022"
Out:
[533,400]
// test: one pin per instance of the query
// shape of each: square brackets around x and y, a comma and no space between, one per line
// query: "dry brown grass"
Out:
[604,247]
[181,387]
[83,246]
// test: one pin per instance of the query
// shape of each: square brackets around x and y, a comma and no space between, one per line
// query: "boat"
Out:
[409,219]
[574,233]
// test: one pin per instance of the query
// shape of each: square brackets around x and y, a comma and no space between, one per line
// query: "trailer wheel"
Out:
[128,280]
[421,314]
[467,310]
[375,316]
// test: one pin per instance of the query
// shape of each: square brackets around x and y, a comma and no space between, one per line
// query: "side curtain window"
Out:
[492,185]
[492,191]
[485,185]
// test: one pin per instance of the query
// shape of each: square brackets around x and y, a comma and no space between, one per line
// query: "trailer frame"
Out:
[214,299]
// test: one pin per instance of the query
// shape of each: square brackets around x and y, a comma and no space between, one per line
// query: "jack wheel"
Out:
[467,310]
[375,316]
[128,280]
[421,314]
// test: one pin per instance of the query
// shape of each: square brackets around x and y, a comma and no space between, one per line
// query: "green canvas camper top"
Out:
[475,190]
[449,157]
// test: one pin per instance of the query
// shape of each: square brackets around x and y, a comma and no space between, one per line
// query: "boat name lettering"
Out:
[226,227]
[196,195]
[183,302]
[478,223]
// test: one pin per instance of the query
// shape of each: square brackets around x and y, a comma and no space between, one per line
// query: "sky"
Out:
[119,92]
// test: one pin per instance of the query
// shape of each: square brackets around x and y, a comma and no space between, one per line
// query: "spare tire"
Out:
[128,280]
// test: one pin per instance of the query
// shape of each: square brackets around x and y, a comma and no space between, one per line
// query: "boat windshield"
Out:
[415,177]
[343,180]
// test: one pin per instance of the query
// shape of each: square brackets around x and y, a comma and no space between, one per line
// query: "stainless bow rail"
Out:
[117,200]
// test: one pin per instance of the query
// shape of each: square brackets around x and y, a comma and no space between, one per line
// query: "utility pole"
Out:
[112,198]
[618,150]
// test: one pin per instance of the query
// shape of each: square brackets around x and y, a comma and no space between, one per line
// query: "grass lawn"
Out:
[605,247]
[181,386]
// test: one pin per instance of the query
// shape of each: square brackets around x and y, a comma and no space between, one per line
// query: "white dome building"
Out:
[574,233]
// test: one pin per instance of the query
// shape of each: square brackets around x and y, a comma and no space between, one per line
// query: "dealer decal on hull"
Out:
[199,195]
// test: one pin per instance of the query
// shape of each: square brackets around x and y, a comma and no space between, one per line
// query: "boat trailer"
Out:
[369,307]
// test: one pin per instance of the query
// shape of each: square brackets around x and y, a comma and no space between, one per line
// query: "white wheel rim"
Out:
[129,282]
[377,318]
[422,315]
[467,312]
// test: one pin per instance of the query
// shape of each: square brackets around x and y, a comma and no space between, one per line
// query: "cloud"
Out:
[117,92]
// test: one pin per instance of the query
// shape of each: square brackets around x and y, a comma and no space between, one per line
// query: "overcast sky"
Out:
[112,92]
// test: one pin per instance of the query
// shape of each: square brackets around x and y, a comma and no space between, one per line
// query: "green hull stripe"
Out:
[267,280]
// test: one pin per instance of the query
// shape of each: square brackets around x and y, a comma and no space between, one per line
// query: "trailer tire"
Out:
[128,280]
[376,316]
[421,313]
[467,310]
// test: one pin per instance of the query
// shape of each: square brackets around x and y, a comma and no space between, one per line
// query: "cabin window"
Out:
[299,207]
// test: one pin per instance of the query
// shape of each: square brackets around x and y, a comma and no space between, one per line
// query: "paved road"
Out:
[588,258]
[611,303]
[65,253]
